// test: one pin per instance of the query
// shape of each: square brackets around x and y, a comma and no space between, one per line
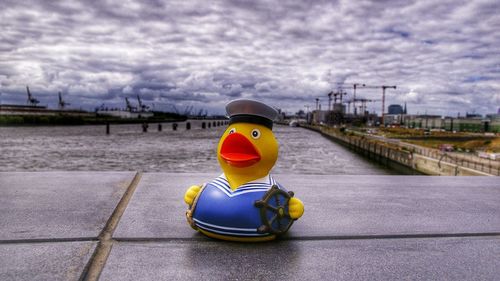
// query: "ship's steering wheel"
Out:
[274,212]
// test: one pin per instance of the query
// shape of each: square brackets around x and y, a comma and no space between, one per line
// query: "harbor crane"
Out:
[31,100]
[62,103]
[187,110]
[129,105]
[202,113]
[142,106]
[175,109]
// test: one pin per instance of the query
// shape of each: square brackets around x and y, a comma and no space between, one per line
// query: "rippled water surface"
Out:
[88,148]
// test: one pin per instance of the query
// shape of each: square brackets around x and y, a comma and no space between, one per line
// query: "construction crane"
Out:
[338,95]
[62,103]
[383,87]
[330,100]
[363,103]
[348,102]
[349,105]
[31,100]
[341,93]
[354,86]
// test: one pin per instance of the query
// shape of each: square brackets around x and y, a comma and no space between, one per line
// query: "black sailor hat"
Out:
[251,111]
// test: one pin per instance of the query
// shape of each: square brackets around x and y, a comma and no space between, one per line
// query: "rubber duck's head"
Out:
[248,148]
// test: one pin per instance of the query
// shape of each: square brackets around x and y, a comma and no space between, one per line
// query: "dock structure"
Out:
[131,226]
[32,110]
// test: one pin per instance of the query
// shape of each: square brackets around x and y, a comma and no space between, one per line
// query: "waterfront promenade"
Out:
[409,156]
[131,226]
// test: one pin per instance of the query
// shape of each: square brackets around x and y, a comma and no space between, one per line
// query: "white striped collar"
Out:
[264,180]
[257,185]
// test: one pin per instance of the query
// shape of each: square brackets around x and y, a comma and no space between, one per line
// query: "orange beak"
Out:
[238,151]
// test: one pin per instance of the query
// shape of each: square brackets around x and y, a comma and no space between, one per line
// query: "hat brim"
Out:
[254,119]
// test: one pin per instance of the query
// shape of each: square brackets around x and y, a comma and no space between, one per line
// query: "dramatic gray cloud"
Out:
[444,56]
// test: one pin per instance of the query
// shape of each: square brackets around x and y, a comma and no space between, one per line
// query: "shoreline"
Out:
[62,120]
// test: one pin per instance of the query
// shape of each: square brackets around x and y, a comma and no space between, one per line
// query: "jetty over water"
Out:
[131,226]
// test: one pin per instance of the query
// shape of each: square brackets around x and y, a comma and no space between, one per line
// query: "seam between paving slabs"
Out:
[48,240]
[322,237]
[96,264]
[292,238]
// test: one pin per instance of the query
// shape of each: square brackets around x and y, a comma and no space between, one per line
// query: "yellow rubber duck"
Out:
[245,203]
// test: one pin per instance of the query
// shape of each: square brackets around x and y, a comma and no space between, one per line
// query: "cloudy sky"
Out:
[444,56]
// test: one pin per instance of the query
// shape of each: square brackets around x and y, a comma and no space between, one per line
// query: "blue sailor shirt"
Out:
[223,211]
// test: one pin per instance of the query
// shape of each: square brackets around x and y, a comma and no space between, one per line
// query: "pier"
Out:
[131,226]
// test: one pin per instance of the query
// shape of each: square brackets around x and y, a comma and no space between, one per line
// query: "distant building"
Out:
[493,117]
[424,121]
[23,110]
[494,126]
[395,116]
[472,115]
[493,123]
[461,124]
[338,107]
[395,109]
[125,114]
[281,115]
[320,116]
[13,109]
[393,119]
[467,124]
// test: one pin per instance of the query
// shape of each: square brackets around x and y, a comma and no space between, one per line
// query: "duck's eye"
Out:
[233,130]
[255,133]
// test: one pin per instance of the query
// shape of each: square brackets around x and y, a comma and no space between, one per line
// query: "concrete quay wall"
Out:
[431,166]
[399,157]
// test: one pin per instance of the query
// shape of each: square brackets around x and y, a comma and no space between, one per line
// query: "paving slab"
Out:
[45,261]
[368,259]
[53,205]
[380,205]
[157,208]
[335,205]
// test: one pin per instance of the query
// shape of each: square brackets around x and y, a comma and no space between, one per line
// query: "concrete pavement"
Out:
[67,226]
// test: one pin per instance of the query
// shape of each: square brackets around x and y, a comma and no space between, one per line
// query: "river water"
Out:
[88,148]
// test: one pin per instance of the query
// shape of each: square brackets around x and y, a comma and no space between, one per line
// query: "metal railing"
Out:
[468,161]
